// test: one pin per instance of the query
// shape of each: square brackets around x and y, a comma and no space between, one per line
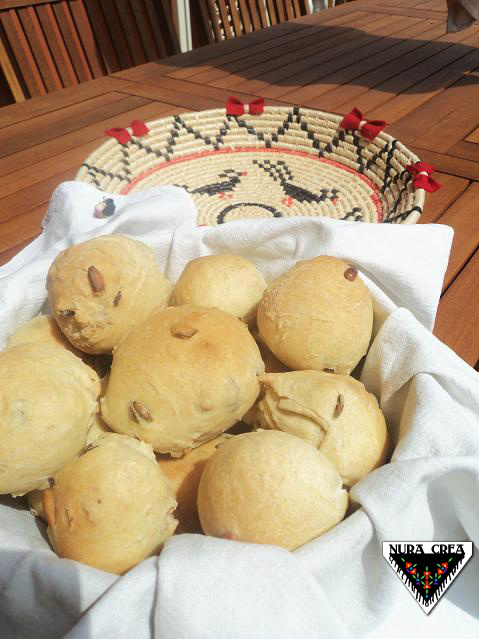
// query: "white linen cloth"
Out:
[338,585]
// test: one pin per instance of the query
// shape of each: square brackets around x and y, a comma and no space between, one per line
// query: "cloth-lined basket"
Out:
[288,161]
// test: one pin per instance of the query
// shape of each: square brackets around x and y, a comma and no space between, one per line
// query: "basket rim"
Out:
[109,144]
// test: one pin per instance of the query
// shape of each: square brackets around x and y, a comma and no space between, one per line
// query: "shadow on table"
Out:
[333,55]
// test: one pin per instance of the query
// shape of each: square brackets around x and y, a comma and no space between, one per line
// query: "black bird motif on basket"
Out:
[231,180]
[281,173]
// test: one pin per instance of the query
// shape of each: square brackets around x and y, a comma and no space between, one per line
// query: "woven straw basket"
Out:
[286,162]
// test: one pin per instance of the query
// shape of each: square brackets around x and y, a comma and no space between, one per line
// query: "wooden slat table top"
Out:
[391,58]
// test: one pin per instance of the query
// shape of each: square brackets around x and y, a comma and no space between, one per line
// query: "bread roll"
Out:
[48,398]
[181,378]
[100,289]
[229,282]
[318,315]
[334,413]
[270,487]
[184,474]
[111,507]
[42,329]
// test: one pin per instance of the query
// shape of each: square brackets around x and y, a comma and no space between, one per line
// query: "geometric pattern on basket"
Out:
[286,162]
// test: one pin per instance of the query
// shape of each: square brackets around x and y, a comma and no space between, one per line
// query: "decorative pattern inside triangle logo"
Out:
[427,569]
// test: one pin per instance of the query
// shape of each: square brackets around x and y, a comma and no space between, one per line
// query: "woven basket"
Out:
[286,162]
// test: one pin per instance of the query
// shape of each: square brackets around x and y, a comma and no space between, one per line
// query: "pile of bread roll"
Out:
[222,404]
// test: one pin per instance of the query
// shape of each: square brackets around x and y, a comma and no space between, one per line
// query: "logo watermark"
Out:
[427,568]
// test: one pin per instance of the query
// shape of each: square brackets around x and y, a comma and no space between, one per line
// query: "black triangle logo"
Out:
[427,568]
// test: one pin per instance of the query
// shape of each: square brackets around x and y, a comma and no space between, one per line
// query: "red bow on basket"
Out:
[234,106]
[124,136]
[369,129]
[421,176]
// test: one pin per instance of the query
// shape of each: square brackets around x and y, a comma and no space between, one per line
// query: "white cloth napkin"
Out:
[338,585]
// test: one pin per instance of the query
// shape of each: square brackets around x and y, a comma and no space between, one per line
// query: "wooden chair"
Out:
[224,19]
[49,44]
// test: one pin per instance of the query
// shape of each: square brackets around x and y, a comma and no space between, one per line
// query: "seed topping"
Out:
[183,332]
[351,273]
[339,406]
[140,411]
[97,282]
[132,414]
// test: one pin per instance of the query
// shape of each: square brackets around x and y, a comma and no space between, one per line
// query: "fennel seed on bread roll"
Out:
[182,377]
[270,487]
[100,289]
[229,282]
[334,413]
[48,398]
[318,315]
[110,507]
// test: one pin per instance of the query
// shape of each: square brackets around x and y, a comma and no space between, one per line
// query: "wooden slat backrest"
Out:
[236,19]
[162,26]
[72,39]
[50,44]
[282,10]
[10,85]
[255,16]
[22,53]
[224,19]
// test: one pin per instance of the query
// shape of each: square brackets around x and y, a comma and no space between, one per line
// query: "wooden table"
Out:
[391,58]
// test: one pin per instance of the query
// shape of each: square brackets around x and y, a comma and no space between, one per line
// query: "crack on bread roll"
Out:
[335,413]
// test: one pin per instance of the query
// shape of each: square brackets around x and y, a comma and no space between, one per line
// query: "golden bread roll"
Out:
[334,413]
[97,428]
[100,289]
[184,474]
[182,377]
[48,397]
[42,329]
[318,315]
[229,282]
[270,487]
[110,507]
